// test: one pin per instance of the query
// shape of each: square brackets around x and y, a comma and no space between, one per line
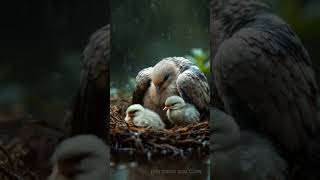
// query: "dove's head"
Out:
[162,75]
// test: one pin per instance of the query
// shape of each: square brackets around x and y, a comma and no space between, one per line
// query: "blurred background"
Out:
[40,55]
[303,16]
[144,32]
[41,44]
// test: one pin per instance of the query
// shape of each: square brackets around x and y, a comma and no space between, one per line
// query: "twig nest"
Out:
[187,140]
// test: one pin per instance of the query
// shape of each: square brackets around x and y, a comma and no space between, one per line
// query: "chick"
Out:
[143,117]
[179,112]
[83,157]
[243,155]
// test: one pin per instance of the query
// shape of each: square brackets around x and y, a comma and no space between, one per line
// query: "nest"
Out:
[10,168]
[189,140]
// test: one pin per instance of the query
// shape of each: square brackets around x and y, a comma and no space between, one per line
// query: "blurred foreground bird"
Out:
[83,157]
[179,112]
[245,157]
[265,79]
[143,117]
[171,76]
[89,112]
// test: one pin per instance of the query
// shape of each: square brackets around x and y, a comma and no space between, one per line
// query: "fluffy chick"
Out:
[242,155]
[82,157]
[143,117]
[179,112]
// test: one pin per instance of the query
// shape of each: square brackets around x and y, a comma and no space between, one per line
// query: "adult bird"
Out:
[171,76]
[265,78]
[89,114]
[82,157]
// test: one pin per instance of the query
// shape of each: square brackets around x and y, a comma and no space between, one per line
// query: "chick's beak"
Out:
[165,108]
[129,116]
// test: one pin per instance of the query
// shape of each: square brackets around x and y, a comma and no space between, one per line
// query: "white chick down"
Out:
[179,112]
[143,117]
[82,157]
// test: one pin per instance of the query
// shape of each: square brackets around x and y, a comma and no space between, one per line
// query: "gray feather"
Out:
[260,65]
[193,88]
[143,81]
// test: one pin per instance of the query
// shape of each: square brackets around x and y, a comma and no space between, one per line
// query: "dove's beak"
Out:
[165,108]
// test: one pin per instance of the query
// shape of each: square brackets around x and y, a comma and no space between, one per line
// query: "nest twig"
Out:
[6,154]
[177,141]
[13,173]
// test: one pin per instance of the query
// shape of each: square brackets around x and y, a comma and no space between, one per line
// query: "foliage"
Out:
[123,91]
[201,59]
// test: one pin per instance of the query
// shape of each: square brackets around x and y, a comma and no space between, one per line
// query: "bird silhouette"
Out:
[243,156]
[171,76]
[89,112]
[265,79]
[143,117]
[82,157]
[179,112]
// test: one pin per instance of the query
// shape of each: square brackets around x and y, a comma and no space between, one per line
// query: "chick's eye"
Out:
[134,111]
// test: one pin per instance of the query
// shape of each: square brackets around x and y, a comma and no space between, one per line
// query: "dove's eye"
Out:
[166,77]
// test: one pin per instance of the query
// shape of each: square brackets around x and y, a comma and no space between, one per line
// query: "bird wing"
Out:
[193,87]
[89,116]
[143,81]
[266,72]
[96,54]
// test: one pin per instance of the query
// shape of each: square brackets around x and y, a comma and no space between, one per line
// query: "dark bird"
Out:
[245,156]
[265,79]
[82,157]
[89,114]
[171,76]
